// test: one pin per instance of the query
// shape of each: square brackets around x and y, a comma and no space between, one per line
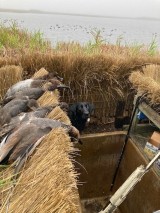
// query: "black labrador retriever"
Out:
[79,114]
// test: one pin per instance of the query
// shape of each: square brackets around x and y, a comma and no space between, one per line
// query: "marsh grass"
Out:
[96,71]
[12,37]
[148,83]
[9,75]
[153,47]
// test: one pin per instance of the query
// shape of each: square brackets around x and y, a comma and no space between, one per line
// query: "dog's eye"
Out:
[82,106]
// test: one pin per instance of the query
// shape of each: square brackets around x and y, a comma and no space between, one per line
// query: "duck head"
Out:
[55,84]
[32,104]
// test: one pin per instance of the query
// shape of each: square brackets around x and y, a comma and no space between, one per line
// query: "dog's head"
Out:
[79,114]
[82,109]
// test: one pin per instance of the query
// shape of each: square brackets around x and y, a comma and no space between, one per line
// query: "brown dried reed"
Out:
[9,75]
[49,98]
[48,181]
[99,76]
[152,71]
[58,114]
[40,73]
[147,83]
[6,176]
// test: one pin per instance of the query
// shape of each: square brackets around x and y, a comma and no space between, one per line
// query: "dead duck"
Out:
[46,122]
[30,83]
[35,93]
[17,144]
[15,107]
[40,112]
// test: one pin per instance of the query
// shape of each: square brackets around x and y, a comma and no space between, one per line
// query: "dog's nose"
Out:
[86,114]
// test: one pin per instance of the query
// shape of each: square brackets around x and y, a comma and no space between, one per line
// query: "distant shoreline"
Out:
[73,14]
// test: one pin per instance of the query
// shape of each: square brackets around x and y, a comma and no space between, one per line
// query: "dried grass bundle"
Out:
[9,75]
[146,86]
[152,71]
[40,73]
[98,74]
[48,182]
[49,98]
[6,183]
[58,114]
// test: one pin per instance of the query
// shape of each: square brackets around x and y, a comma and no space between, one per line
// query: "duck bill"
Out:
[33,108]
[63,86]
[59,78]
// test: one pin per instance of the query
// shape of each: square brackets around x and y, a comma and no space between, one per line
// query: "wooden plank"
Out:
[150,113]
[93,135]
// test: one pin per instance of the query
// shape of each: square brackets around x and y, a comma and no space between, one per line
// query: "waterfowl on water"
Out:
[17,144]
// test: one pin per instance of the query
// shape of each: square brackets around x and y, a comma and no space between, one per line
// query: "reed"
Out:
[9,75]
[58,114]
[147,83]
[48,182]
[40,73]
[49,98]
[14,38]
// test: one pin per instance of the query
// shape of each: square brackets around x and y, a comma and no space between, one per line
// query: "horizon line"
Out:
[72,14]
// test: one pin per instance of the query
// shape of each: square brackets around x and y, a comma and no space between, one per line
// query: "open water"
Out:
[79,28]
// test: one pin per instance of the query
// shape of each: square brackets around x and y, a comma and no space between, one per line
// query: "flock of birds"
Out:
[23,124]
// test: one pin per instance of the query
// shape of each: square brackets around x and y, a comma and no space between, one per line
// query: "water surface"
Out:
[79,28]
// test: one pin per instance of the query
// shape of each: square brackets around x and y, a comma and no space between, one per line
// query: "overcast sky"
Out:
[123,8]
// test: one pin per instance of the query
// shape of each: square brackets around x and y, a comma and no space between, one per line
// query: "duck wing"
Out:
[46,122]
[24,156]
[31,93]
[24,117]
[14,138]
[8,144]
[14,122]
[18,87]
[35,133]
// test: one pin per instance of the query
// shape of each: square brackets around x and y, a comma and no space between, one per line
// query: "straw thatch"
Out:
[9,75]
[40,73]
[58,114]
[48,181]
[100,78]
[147,83]
[49,98]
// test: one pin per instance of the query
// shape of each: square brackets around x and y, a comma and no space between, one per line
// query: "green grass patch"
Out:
[12,37]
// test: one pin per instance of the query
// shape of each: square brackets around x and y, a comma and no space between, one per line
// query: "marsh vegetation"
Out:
[96,71]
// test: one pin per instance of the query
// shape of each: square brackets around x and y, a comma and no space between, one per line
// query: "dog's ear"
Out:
[91,107]
[72,110]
